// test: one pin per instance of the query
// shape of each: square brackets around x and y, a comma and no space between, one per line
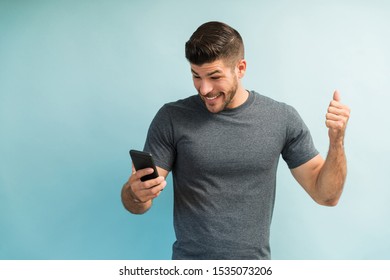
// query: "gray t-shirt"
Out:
[224,172]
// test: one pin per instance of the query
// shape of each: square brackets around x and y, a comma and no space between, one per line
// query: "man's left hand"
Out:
[337,119]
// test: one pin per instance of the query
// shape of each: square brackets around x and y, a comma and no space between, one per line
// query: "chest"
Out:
[229,146]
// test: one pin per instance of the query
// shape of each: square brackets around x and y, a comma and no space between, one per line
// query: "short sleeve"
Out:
[299,147]
[160,139]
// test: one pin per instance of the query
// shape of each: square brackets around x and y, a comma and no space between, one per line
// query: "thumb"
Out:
[336,95]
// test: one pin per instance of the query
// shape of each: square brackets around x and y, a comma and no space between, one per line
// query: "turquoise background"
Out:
[80,82]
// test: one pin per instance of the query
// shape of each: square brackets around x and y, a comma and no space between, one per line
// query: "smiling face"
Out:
[219,85]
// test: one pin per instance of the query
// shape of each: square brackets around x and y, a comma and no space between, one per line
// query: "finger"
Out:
[154,182]
[155,191]
[142,172]
[150,193]
[336,125]
[338,105]
[133,168]
[336,96]
[335,110]
[341,111]
[336,118]
[333,117]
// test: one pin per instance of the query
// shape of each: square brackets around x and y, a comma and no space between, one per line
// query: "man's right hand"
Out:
[145,191]
[136,195]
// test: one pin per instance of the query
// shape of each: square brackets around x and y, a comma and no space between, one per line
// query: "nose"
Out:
[205,87]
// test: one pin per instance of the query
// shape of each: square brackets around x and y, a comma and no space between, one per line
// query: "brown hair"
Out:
[214,40]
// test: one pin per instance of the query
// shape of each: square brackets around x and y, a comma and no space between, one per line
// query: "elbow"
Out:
[137,211]
[133,209]
[329,202]
[329,196]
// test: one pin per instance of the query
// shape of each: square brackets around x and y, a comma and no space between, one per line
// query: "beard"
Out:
[228,97]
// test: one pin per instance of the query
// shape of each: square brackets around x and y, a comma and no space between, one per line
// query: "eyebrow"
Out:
[208,74]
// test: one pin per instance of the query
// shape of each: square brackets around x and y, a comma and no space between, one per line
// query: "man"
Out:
[223,146]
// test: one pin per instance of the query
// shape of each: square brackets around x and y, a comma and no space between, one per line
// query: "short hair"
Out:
[214,40]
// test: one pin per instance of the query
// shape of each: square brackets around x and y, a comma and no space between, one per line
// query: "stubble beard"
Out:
[229,96]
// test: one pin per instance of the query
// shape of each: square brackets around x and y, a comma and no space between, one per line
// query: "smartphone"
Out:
[143,160]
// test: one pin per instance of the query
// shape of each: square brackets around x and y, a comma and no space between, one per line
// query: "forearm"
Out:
[331,179]
[324,179]
[130,202]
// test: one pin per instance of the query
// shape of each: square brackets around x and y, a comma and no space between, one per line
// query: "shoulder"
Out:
[272,106]
[185,103]
[177,110]
[180,106]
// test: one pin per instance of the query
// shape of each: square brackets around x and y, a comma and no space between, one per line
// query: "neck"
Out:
[239,98]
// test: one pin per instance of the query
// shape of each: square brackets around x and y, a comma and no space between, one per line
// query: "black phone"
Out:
[142,160]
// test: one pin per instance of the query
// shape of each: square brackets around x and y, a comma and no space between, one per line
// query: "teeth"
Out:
[212,98]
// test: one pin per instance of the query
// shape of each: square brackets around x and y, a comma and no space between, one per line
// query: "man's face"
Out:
[216,84]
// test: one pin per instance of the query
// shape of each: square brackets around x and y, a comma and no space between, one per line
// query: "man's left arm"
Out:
[323,179]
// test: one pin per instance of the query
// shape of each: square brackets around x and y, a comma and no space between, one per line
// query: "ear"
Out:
[241,68]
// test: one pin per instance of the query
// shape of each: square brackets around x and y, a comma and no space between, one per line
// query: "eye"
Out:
[215,78]
[195,77]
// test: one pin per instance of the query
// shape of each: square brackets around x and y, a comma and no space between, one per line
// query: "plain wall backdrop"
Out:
[80,82]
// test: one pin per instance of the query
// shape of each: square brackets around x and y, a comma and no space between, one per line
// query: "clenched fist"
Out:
[336,120]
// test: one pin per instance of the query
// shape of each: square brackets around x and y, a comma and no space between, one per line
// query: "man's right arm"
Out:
[137,196]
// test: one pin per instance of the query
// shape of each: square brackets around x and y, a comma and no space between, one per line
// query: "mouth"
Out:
[212,97]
